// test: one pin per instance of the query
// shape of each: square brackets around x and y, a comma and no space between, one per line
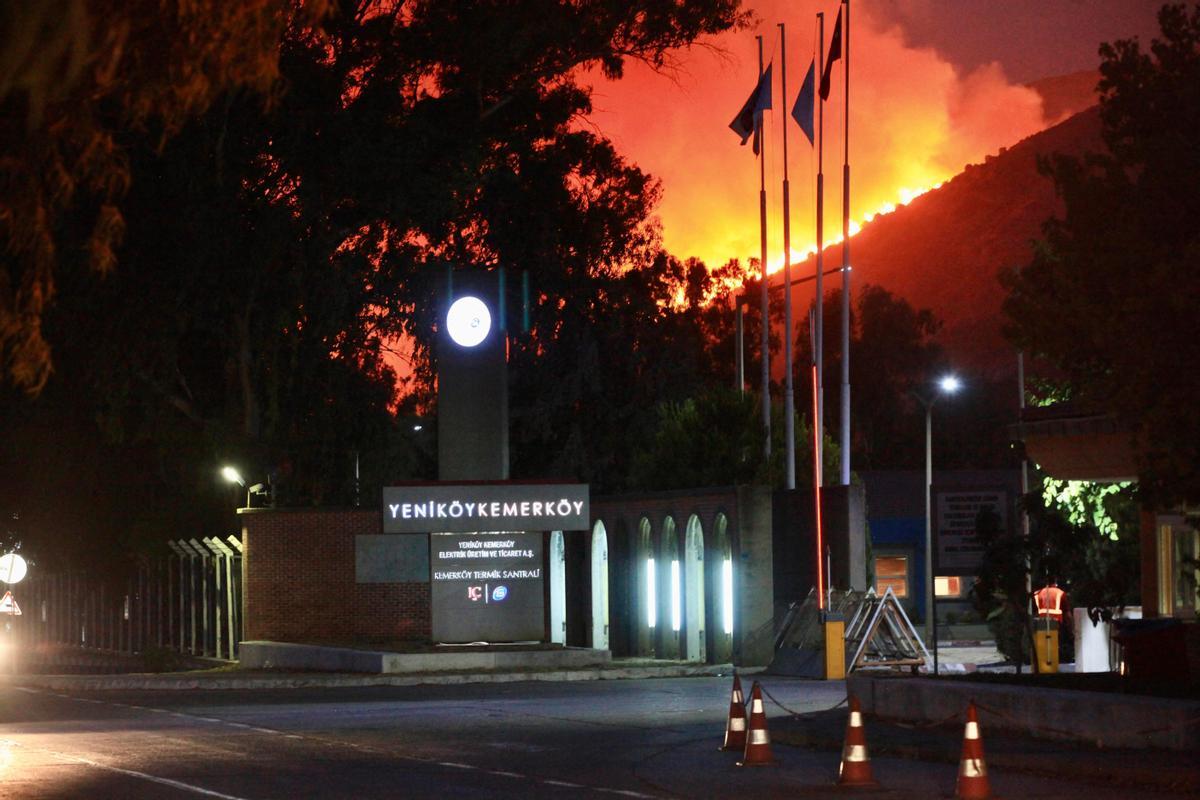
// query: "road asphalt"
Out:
[823,730]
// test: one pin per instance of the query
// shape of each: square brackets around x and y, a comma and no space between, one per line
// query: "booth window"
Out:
[891,571]
[948,587]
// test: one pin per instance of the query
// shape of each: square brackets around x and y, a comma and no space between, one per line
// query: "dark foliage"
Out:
[1110,296]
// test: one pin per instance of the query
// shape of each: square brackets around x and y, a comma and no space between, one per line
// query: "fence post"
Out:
[204,604]
[159,574]
[179,555]
[225,557]
[216,605]
[170,602]
[235,613]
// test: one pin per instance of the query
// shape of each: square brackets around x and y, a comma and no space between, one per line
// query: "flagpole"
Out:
[788,399]
[846,263]
[819,422]
[766,301]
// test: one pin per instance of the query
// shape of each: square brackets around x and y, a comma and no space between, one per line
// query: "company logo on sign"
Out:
[499,593]
[474,593]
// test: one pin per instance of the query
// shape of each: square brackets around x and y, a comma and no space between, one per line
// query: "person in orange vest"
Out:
[1049,600]
[1053,609]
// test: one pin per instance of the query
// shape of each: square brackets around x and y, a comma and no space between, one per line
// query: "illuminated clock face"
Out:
[468,321]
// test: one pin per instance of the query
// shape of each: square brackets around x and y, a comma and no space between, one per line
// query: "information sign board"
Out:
[957,548]
[487,587]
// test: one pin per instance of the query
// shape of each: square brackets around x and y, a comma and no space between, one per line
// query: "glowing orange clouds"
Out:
[915,122]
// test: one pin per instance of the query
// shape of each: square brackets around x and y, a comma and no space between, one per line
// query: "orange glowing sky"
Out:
[916,120]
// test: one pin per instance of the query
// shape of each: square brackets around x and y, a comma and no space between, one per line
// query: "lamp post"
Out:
[232,475]
[948,384]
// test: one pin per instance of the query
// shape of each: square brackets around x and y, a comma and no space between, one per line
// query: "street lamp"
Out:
[947,384]
[232,475]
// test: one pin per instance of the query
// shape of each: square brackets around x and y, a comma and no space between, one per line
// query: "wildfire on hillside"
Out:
[915,121]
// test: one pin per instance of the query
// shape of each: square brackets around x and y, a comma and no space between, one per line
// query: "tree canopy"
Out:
[1110,296]
[75,79]
[270,255]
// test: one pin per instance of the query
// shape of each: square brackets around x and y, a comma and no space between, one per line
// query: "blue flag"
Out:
[749,119]
[802,111]
[835,53]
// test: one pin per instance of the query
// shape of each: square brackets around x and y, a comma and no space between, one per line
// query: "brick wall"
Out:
[299,582]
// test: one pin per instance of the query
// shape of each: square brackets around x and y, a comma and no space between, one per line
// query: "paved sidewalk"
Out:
[1161,770]
[233,677]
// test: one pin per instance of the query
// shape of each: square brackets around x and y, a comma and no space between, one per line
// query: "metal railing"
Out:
[188,602]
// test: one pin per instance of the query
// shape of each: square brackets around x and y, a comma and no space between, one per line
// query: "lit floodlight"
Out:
[468,321]
[651,595]
[232,475]
[727,595]
[12,568]
[676,602]
[950,384]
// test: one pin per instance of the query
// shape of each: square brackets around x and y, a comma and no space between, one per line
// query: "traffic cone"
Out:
[758,739]
[972,772]
[735,727]
[855,769]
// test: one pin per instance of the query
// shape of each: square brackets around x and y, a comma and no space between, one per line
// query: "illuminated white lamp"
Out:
[232,475]
[468,321]
[950,384]
[651,595]
[676,612]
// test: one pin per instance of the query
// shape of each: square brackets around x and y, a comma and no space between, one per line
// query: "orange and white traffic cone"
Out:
[758,739]
[735,727]
[855,769]
[972,772]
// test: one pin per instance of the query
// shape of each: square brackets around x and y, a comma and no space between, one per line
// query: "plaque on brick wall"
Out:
[486,587]
[391,558]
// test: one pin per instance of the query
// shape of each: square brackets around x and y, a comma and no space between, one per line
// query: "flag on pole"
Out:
[802,111]
[835,53]
[749,119]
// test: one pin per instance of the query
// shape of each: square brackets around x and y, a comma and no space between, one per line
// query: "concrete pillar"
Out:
[753,583]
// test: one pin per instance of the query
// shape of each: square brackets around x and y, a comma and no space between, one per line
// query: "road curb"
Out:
[186,682]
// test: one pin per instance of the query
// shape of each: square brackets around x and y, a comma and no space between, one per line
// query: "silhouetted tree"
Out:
[1110,296]
[892,353]
[273,254]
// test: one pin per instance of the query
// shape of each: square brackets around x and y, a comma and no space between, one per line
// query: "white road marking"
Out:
[272,731]
[187,787]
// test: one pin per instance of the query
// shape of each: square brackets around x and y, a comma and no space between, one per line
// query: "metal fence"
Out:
[189,601]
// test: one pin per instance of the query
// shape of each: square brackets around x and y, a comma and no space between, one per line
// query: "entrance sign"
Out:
[486,587]
[483,507]
[957,548]
[8,605]
[12,568]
